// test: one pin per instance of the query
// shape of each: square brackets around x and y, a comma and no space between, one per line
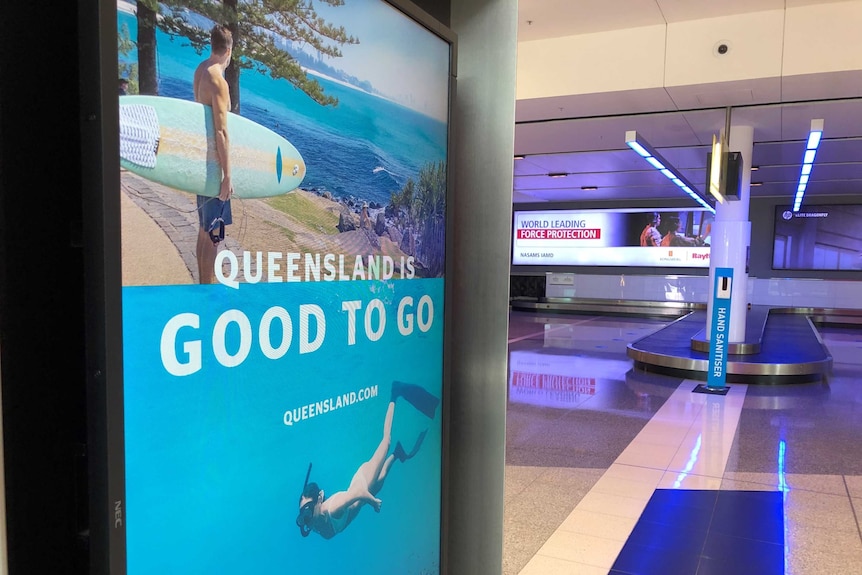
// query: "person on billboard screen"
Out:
[675,236]
[211,89]
[329,516]
[650,236]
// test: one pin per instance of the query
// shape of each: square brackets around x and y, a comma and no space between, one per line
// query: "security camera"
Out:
[721,48]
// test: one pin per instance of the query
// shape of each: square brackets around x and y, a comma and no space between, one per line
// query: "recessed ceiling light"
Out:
[755,184]
[558,175]
[755,168]
[519,157]
[589,188]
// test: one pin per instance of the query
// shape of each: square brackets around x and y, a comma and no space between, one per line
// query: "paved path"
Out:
[160,228]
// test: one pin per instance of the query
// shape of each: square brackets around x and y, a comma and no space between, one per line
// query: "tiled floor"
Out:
[615,470]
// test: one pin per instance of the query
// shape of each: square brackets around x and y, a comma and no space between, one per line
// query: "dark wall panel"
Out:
[41,289]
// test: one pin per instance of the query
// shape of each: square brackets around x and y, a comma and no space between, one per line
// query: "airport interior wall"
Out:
[826,289]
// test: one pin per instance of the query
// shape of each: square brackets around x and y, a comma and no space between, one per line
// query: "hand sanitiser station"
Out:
[718,337]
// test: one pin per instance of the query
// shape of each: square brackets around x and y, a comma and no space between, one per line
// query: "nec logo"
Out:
[700,256]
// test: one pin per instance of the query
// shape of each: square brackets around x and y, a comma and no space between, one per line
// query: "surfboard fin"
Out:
[139,135]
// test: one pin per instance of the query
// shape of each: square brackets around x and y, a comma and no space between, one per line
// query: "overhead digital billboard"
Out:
[283,198]
[612,237]
[825,237]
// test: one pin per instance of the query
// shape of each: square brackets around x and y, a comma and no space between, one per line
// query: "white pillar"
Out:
[731,239]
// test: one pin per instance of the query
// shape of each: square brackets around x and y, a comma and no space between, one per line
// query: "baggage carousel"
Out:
[782,345]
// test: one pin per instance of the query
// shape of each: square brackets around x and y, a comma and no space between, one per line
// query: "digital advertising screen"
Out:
[826,237]
[283,199]
[613,237]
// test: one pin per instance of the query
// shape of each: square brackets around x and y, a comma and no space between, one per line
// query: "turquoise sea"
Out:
[213,475]
[366,147]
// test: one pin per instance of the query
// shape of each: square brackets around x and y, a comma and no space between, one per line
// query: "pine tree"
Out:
[261,29]
[146,15]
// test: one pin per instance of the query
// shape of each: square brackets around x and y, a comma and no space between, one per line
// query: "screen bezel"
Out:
[97,61]
[529,268]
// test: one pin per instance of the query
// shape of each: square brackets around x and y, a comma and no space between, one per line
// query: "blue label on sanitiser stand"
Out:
[718,337]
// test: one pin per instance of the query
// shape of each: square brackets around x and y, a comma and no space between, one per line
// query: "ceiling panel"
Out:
[841,119]
[607,133]
[791,152]
[780,132]
[649,178]
[540,19]
[607,194]
[682,10]
[589,105]
[584,135]
[735,93]
[598,161]
[821,86]
[766,121]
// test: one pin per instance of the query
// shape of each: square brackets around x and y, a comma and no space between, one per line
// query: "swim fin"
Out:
[418,397]
[401,455]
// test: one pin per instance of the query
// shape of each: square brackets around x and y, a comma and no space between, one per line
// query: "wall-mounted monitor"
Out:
[825,237]
[612,237]
[282,329]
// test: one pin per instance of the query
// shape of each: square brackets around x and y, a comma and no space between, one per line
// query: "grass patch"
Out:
[307,212]
[289,234]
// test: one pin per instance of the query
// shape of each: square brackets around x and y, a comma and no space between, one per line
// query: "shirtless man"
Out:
[211,89]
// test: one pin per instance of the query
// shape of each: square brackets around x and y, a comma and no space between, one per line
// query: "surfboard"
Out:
[172,142]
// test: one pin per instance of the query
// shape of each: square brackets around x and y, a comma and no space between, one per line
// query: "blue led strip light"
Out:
[782,486]
[814,137]
[692,459]
[646,151]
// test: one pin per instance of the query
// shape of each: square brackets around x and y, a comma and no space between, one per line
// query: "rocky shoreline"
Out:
[357,214]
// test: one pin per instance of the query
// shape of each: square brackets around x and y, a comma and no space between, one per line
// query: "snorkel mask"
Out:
[306,512]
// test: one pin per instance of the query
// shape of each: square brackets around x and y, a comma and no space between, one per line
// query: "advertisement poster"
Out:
[283,349]
[647,238]
[825,237]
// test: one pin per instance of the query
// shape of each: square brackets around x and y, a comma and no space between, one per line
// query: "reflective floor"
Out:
[615,470]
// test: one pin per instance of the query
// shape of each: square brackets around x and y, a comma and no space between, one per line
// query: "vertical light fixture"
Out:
[719,160]
[814,137]
[648,153]
[715,169]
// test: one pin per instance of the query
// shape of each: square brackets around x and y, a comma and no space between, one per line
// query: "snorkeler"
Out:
[329,516]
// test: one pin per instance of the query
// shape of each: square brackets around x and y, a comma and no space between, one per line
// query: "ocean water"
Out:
[213,475]
[366,147]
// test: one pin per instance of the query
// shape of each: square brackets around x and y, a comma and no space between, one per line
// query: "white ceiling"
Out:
[542,19]
[591,147]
